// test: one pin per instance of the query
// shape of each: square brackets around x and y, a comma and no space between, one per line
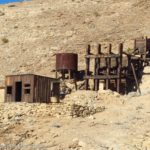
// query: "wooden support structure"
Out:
[109,68]
[103,70]
[87,66]
[97,65]
[119,67]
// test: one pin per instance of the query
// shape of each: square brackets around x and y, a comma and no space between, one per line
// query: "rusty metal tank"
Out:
[66,61]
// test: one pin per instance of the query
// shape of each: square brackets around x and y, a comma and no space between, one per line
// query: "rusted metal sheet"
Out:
[67,61]
[30,88]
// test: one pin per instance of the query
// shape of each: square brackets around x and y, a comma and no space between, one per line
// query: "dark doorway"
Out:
[18,94]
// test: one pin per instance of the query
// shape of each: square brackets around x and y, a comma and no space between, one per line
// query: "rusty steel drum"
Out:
[67,61]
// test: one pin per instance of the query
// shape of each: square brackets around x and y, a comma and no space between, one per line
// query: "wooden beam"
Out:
[97,65]
[103,77]
[108,66]
[119,67]
[103,56]
[87,69]
[135,77]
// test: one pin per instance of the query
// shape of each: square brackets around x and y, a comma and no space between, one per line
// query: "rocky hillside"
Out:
[32,32]
[84,120]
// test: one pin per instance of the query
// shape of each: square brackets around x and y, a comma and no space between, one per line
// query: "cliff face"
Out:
[32,32]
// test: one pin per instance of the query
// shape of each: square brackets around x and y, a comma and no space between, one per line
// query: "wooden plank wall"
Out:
[43,89]
[39,87]
[11,81]
[28,79]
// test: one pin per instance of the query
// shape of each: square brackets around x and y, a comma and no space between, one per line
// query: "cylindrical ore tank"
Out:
[66,61]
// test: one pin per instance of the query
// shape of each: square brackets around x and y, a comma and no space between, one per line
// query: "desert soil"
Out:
[122,125]
[31,33]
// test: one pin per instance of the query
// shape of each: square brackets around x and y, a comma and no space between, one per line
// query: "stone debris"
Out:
[77,104]
[64,89]
[84,111]
[93,114]
[77,144]
[56,125]
[34,32]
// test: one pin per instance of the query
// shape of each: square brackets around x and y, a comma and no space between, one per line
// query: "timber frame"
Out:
[128,68]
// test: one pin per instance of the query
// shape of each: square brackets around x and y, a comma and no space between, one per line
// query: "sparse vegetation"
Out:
[5,40]
[96,14]
[12,5]
[2,13]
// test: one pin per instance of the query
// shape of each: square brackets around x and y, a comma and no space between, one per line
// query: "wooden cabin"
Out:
[30,88]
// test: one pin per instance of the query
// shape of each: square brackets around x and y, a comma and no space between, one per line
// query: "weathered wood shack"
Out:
[30,88]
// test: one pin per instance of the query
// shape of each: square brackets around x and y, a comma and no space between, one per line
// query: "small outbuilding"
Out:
[31,88]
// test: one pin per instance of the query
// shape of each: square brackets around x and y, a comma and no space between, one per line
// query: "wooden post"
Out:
[97,65]
[87,61]
[56,76]
[109,62]
[135,77]
[99,49]
[134,44]
[128,72]
[145,50]
[63,75]
[110,49]
[119,67]
[108,66]
[146,46]
[107,73]
[70,74]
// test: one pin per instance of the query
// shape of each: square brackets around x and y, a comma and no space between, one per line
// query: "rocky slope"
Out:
[122,125]
[30,35]
[84,120]
[32,32]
